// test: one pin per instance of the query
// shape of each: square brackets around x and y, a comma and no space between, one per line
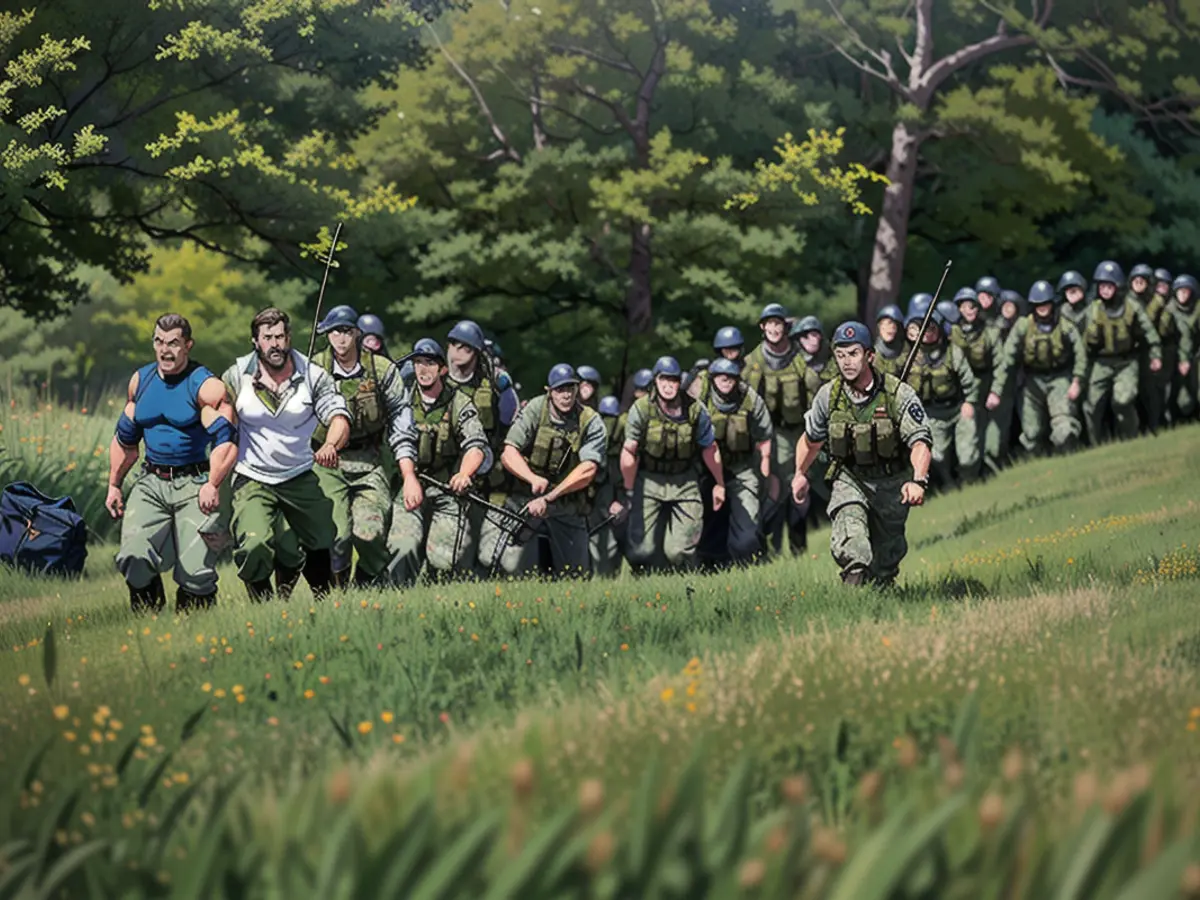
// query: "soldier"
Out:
[1176,339]
[1117,328]
[554,450]
[1072,287]
[743,430]
[776,370]
[358,487]
[642,379]
[998,428]
[1141,283]
[869,420]
[987,292]
[918,305]
[729,344]
[1184,383]
[948,391]
[1162,283]
[890,344]
[1049,350]
[281,398]
[177,408]
[374,338]
[817,355]
[981,347]
[607,542]
[948,310]
[665,433]
[445,441]
[589,386]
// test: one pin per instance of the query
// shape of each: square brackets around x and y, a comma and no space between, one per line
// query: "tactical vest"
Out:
[785,391]
[614,427]
[669,447]
[364,399]
[1045,351]
[437,438]
[866,439]
[732,429]
[935,383]
[1108,336]
[1163,316]
[975,348]
[890,365]
[554,451]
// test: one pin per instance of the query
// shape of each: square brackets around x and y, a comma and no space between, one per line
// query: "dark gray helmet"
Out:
[338,317]
[588,374]
[724,366]
[852,333]
[966,293]
[642,379]
[727,337]
[609,406]
[1109,271]
[669,366]
[369,323]
[1141,270]
[1185,281]
[891,311]
[988,285]
[1042,292]
[430,348]
[773,311]
[1071,278]
[917,307]
[1162,275]
[807,324]
[560,375]
[948,310]
[467,332]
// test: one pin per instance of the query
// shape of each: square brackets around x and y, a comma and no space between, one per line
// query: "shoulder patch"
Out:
[916,411]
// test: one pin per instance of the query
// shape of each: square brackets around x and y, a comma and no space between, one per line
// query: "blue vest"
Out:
[168,415]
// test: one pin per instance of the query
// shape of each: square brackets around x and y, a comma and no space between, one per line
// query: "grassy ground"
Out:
[1059,596]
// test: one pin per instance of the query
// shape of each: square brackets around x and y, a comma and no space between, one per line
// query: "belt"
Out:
[170,473]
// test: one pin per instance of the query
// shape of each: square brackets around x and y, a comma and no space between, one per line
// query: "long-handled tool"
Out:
[912,354]
[312,340]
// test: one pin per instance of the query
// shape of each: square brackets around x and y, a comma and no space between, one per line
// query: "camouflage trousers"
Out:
[161,530]
[955,440]
[259,513]
[437,533]
[565,528]
[1113,384]
[1184,393]
[782,514]
[1154,388]
[868,525]
[606,546]
[737,532]
[665,521]
[1049,421]
[994,427]
[362,501]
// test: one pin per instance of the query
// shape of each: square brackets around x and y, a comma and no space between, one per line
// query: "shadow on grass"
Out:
[951,586]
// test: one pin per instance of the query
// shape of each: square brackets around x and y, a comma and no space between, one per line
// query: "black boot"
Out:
[362,580]
[150,599]
[286,581]
[260,591]
[856,576]
[186,601]
[318,572]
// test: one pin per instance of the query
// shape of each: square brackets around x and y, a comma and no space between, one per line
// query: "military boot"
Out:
[260,591]
[318,572]
[152,598]
[341,579]
[285,581]
[186,601]
[855,575]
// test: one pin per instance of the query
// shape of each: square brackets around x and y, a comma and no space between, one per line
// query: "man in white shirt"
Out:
[281,399]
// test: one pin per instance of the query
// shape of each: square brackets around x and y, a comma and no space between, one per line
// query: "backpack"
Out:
[42,535]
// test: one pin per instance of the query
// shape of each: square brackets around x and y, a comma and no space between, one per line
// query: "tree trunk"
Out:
[891,234]
[639,313]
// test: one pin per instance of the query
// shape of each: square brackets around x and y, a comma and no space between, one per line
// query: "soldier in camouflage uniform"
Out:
[1183,401]
[891,345]
[1049,350]
[589,386]
[554,449]
[666,434]
[744,434]
[998,438]
[1117,329]
[809,334]
[776,370]
[875,430]
[918,305]
[374,336]
[443,439]
[981,347]
[948,392]
[1072,288]
[1177,350]
[728,344]
[358,487]
[1141,283]
[987,293]
[642,379]
[606,544]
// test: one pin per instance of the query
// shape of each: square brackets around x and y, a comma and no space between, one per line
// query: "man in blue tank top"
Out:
[177,408]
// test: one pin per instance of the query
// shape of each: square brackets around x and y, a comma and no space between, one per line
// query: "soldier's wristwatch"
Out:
[923,483]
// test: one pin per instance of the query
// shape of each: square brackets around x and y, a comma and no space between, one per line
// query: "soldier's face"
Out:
[1139,284]
[587,391]
[273,344]
[810,341]
[912,331]
[734,353]
[343,339]
[1074,294]
[851,360]
[1107,290]
[932,334]
[724,384]
[373,343]
[774,330]
[427,371]
[1044,310]
[1009,310]
[564,398]
[461,356]
[667,387]
[888,329]
[986,300]
[1162,288]
[171,350]
[1183,296]
[969,310]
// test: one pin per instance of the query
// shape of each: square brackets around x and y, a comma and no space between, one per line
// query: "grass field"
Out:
[1046,624]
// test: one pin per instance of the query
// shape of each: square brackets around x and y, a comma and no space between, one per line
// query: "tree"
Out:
[223,123]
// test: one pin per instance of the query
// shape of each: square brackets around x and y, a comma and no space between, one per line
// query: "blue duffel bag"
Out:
[40,534]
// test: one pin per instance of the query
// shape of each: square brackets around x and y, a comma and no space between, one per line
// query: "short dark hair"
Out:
[269,316]
[171,321]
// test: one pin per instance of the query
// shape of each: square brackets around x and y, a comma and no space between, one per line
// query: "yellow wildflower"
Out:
[61,711]
[365,727]
[387,716]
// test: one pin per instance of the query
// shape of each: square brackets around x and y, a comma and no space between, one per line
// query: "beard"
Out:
[273,359]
